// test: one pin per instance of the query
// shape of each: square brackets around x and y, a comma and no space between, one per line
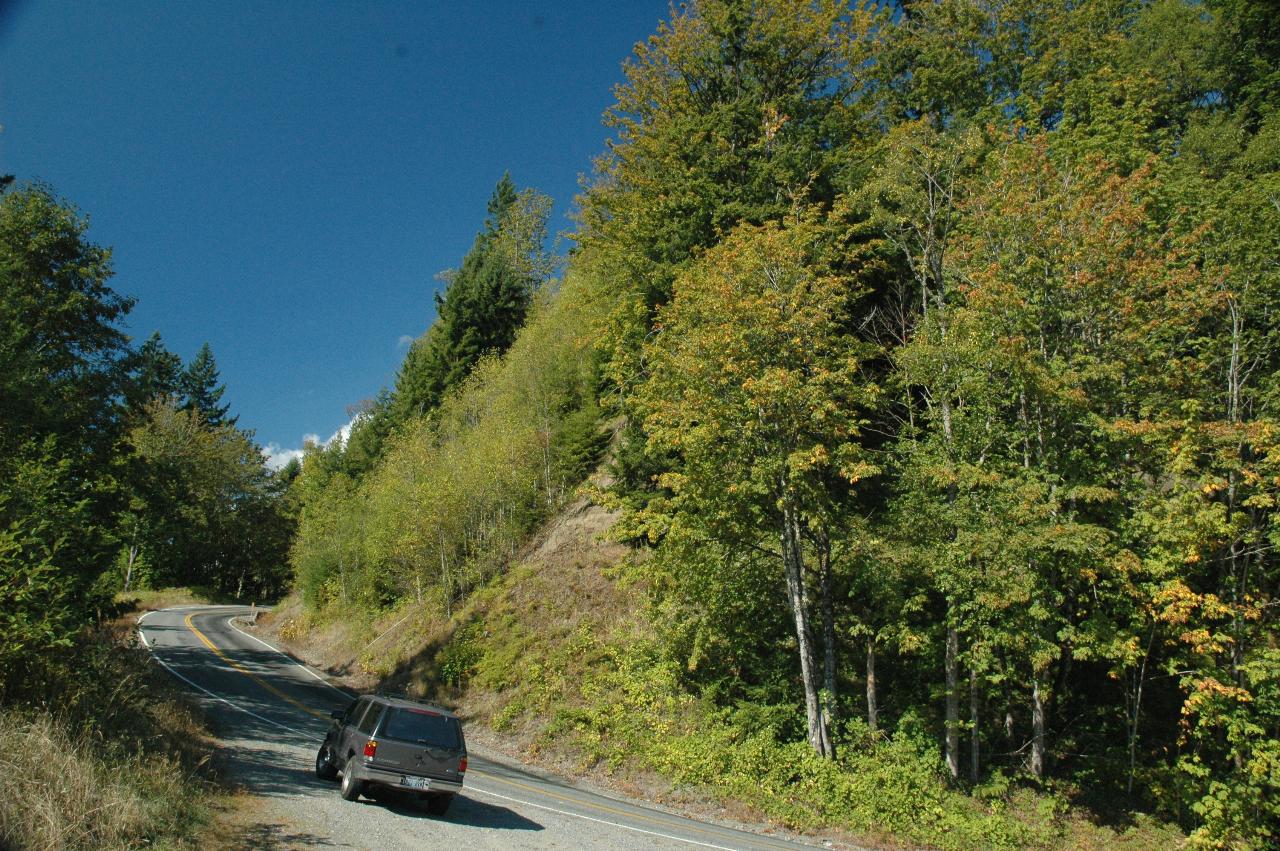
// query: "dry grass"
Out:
[57,792]
[98,750]
[333,646]
[148,599]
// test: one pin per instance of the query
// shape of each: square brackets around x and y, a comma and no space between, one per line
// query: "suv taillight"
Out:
[462,766]
[370,748]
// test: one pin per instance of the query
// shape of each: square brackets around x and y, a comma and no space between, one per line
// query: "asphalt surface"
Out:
[271,713]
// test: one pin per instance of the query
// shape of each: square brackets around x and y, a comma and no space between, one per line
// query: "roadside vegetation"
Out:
[120,471]
[935,346]
[98,752]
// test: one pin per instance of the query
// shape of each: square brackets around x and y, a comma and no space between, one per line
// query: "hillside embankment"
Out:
[516,661]
[556,664]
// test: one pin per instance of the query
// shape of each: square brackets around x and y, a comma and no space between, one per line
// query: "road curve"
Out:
[271,713]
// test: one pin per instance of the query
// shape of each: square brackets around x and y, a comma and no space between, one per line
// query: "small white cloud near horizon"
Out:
[278,456]
[405,341]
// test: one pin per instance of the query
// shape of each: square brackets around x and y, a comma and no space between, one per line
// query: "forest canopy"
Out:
[120,468]
[936,345]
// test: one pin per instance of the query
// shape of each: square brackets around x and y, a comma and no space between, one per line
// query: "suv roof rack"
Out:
[408,698]
[398,695]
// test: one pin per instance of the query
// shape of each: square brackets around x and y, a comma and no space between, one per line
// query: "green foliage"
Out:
[61,352]
[104,481]
[613,696]
[43,599]
[485,301]
[454,493]
[206,510]
[578,443]
[460,656]
[62,362]
[1040,211]
[1247,46]
[941,348]
[156,371]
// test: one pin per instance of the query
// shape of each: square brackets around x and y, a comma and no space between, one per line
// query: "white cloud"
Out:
[342,434]
[405,341]
[277,456]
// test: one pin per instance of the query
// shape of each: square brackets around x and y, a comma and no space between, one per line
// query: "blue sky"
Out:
[285,179]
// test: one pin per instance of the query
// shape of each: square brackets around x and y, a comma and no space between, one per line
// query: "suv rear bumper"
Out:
[370,774]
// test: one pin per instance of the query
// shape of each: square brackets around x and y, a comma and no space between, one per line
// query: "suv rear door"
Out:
[421,742]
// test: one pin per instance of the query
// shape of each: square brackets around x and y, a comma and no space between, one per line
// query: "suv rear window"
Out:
[418,725]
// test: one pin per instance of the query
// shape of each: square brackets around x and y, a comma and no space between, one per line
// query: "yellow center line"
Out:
[257,679]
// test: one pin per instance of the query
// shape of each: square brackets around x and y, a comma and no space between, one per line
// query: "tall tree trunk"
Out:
[1037,730]
[828,605]
[974,758]
[1137,709]
[128,568]
[952,663]
[1008,734]
[793,562]
[953,702]
[871,684]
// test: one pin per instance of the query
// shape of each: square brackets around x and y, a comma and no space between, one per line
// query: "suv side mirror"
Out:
[337,714]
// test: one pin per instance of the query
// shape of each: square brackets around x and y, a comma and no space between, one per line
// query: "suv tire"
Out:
[325,769]
[351,787]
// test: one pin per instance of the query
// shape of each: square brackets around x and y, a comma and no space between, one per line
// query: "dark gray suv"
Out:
[394,743]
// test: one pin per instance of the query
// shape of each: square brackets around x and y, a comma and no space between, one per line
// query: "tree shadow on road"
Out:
[270,772]
[274,837]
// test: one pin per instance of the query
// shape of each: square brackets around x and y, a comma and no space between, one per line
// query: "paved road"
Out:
[272,712]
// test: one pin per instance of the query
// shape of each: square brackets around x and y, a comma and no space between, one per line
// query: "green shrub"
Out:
[459,657]
[628,707]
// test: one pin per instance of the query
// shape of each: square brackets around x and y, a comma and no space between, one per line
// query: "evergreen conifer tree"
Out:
[156,372]
[482,308]
[202,390]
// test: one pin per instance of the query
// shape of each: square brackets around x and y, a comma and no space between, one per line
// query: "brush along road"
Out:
[272,713]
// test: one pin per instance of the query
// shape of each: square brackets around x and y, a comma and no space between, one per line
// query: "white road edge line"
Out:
[599,820]
[231,623]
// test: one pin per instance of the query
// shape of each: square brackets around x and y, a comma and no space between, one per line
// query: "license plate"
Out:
[415,782]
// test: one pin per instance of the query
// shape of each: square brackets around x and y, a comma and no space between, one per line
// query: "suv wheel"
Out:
[351,787]
[325,769]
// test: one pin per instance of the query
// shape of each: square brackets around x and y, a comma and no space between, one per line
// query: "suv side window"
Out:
[356,712]
[370,719]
